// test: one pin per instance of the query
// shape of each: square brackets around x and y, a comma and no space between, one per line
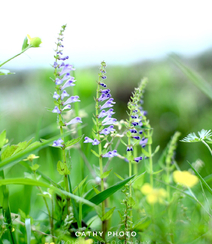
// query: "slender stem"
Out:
[150,161]
[135,166]
[15,56]
[130,185]
[64,161]
[49,213]
[207,146]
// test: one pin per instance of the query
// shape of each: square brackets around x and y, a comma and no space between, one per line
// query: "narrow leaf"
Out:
[201,179]
[105,174]
[108,215]
[28,230]
[73,141]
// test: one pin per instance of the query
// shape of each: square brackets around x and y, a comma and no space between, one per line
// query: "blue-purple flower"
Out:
[58,143]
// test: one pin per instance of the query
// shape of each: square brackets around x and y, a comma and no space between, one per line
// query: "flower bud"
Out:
[34,42]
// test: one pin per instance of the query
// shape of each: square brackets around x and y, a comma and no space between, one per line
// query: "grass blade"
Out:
[28,230]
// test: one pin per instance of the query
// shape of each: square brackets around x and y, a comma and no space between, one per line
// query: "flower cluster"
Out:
[185,178]
[137,121]
[104,112]
[63,80]
[153,195]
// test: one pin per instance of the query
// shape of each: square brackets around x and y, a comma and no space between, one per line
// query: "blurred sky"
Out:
[119,32]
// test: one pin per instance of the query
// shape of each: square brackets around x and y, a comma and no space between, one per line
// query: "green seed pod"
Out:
[34,42]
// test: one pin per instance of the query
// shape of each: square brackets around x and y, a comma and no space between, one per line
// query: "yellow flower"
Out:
[153,195]
[185,178]
[146,189]
[83,241]
[30,158]
[35,41]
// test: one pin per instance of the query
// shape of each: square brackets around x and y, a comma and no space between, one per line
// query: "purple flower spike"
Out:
[66,69]
[68,83]
[56,110]
[56,96]
[64,94]
[74,121]
[138,159]
[58,143]
[110,154]
[88,140]
[72,99]
[108,104]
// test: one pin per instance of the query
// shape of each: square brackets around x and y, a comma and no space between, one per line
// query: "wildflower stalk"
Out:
[207,146]
[63,80]
[102,118]
[104,227]
[15,56]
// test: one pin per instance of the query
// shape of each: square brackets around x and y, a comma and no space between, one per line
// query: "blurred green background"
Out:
[172,101]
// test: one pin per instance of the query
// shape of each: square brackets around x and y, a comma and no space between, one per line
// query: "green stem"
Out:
[104,223]
[15,56]
[64,161]
[207,146]
[48,210]
[130,185]
[81,162]
[135,166]
[6,208]
[150,160]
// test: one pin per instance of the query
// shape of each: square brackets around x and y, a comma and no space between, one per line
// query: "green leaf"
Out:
[156,150]
[97,199]
[15,158]
[194,77]
[97,155]
[121,178]
[34,167]
[62,168]
[145,153]
[73,141]
[108,214]
[201,179]
[96,190]
[6,72]
[105,174]
[80,184]
[2,138]
[138,181]
[110,191]
[8,151]
[131,201]
[23,181]
[25,43]
[28,230]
